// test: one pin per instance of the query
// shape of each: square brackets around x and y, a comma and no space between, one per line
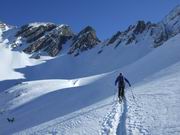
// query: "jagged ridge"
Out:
[159,33]
[49,38]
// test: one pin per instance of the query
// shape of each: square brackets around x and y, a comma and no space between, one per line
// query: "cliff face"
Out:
[86,39]
[46,37]
[49,38]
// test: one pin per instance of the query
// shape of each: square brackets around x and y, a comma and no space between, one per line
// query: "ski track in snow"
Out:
[111,121]
[115,121]
[134,120]
[119,122]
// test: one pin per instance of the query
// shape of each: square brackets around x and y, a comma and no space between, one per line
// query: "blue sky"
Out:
[106,16]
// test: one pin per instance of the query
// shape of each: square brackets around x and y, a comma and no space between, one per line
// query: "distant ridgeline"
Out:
[50,39]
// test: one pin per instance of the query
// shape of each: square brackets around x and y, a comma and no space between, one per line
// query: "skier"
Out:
[121,86]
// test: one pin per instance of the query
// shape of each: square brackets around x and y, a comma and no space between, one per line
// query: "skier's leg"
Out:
[119,95]
[118,92]
[123,93]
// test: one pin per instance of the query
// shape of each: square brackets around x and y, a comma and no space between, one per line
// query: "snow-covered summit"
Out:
[86,39]
[157,33]
[45,38]
[174,14]
[172,21]
[49,38]
[134,33]
[37,24]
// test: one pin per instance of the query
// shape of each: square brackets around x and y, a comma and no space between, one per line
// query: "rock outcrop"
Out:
[47,38]
[50,38]
[86,39]
[157,33]
[130,35]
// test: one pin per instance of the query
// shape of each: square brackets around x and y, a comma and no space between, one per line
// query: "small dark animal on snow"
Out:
[11,120]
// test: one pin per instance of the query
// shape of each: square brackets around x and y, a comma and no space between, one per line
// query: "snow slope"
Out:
[84,103]
[66,66]
[13,60]
[157,106]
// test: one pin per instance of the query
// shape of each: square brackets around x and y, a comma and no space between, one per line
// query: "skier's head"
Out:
[120,74]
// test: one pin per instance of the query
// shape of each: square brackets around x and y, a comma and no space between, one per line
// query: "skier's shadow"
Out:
[121,130]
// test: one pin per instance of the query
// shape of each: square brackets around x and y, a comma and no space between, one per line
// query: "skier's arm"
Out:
[127,81]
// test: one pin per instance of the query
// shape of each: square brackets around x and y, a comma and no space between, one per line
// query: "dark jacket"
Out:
[121,81]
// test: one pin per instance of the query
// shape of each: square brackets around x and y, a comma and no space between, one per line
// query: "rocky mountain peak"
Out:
[130,35]
[32,32]
[49,38]
[65,30]
[171,22]
[174,13]
[44,37]
[87,29]
[139,27]
[158,33]
[167,28]
[86,39]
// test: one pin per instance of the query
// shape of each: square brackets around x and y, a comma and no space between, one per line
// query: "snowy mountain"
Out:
[67,95]
[50,39]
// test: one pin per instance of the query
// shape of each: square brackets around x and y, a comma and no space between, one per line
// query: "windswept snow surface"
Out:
[37,24]
[54,99]
[11,61]
[158,103]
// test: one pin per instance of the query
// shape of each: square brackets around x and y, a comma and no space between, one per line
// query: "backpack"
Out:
[121,81]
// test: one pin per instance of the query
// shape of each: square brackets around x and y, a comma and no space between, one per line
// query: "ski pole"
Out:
[114,95]
[132,94]
[133,97]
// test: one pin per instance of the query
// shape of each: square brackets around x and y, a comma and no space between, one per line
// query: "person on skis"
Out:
[121,85]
